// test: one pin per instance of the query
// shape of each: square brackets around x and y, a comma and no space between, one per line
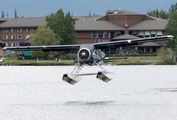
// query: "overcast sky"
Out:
[41,8]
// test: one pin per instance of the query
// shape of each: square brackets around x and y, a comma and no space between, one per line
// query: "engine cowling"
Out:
[84,55]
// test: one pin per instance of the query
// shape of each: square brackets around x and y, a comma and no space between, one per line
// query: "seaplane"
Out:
[88,54]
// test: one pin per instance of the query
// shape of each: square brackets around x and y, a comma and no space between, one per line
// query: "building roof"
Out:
[26,41]
[125,37]
[88,23]
[91,23]
[122,12]
[157,24]
[22,22]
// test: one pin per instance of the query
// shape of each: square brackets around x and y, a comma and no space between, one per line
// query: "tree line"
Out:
[162,13]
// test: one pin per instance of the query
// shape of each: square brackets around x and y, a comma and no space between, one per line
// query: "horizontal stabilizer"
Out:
[105,76]
[71,78]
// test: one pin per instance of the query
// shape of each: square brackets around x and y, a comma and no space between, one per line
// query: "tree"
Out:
[2,14]
[173,8]
[44,36]
[171,29]
[154,13]
[63,26]
[15,13]
[163,14]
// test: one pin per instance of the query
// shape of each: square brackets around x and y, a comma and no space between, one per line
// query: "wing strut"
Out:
[68,56]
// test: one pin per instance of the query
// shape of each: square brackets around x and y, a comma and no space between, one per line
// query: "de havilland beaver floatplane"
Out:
[89,54]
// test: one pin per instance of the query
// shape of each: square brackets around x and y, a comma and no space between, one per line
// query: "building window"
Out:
[141,34]
[147,49]
[19,36]
[5,30]
[28,29]
[100,34]
[159,33]
[13,37]
[153,33]
[106,35]
[134,33]
[94,34]
[19,29]
[146,33]
[5,37]
[13,29]
[12,44]
[6,44]
[112,34]
[117,33]
[34,29]
[141,49]
[154,49]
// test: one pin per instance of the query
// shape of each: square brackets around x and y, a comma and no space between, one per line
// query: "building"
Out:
[14,30]
[1,46]
[116,25]
[121,25]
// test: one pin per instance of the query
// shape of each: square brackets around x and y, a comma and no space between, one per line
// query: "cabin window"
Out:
[94,34]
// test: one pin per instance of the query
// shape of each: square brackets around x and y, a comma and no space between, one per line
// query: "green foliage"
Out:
[164,57]
[131,55]
[44,36]
[154,13]
[63,26]
[73,56]
[173,8]
[171,29]
[162,54]
[166,62]
[131,63]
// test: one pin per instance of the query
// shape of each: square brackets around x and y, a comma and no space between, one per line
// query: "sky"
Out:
[41,8]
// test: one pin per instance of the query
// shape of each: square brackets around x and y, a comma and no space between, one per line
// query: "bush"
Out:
[166,62]
[73,56]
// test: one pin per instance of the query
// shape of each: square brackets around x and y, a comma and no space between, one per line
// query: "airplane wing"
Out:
[44,48]
[96,45]
[131,42]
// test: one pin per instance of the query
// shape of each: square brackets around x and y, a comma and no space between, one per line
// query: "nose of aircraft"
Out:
[83,54]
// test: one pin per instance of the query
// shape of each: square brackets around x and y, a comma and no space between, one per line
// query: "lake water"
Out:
[136,93]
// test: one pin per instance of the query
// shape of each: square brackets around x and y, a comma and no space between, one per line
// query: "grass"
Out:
[14,60]
[144,60]
[130,63]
